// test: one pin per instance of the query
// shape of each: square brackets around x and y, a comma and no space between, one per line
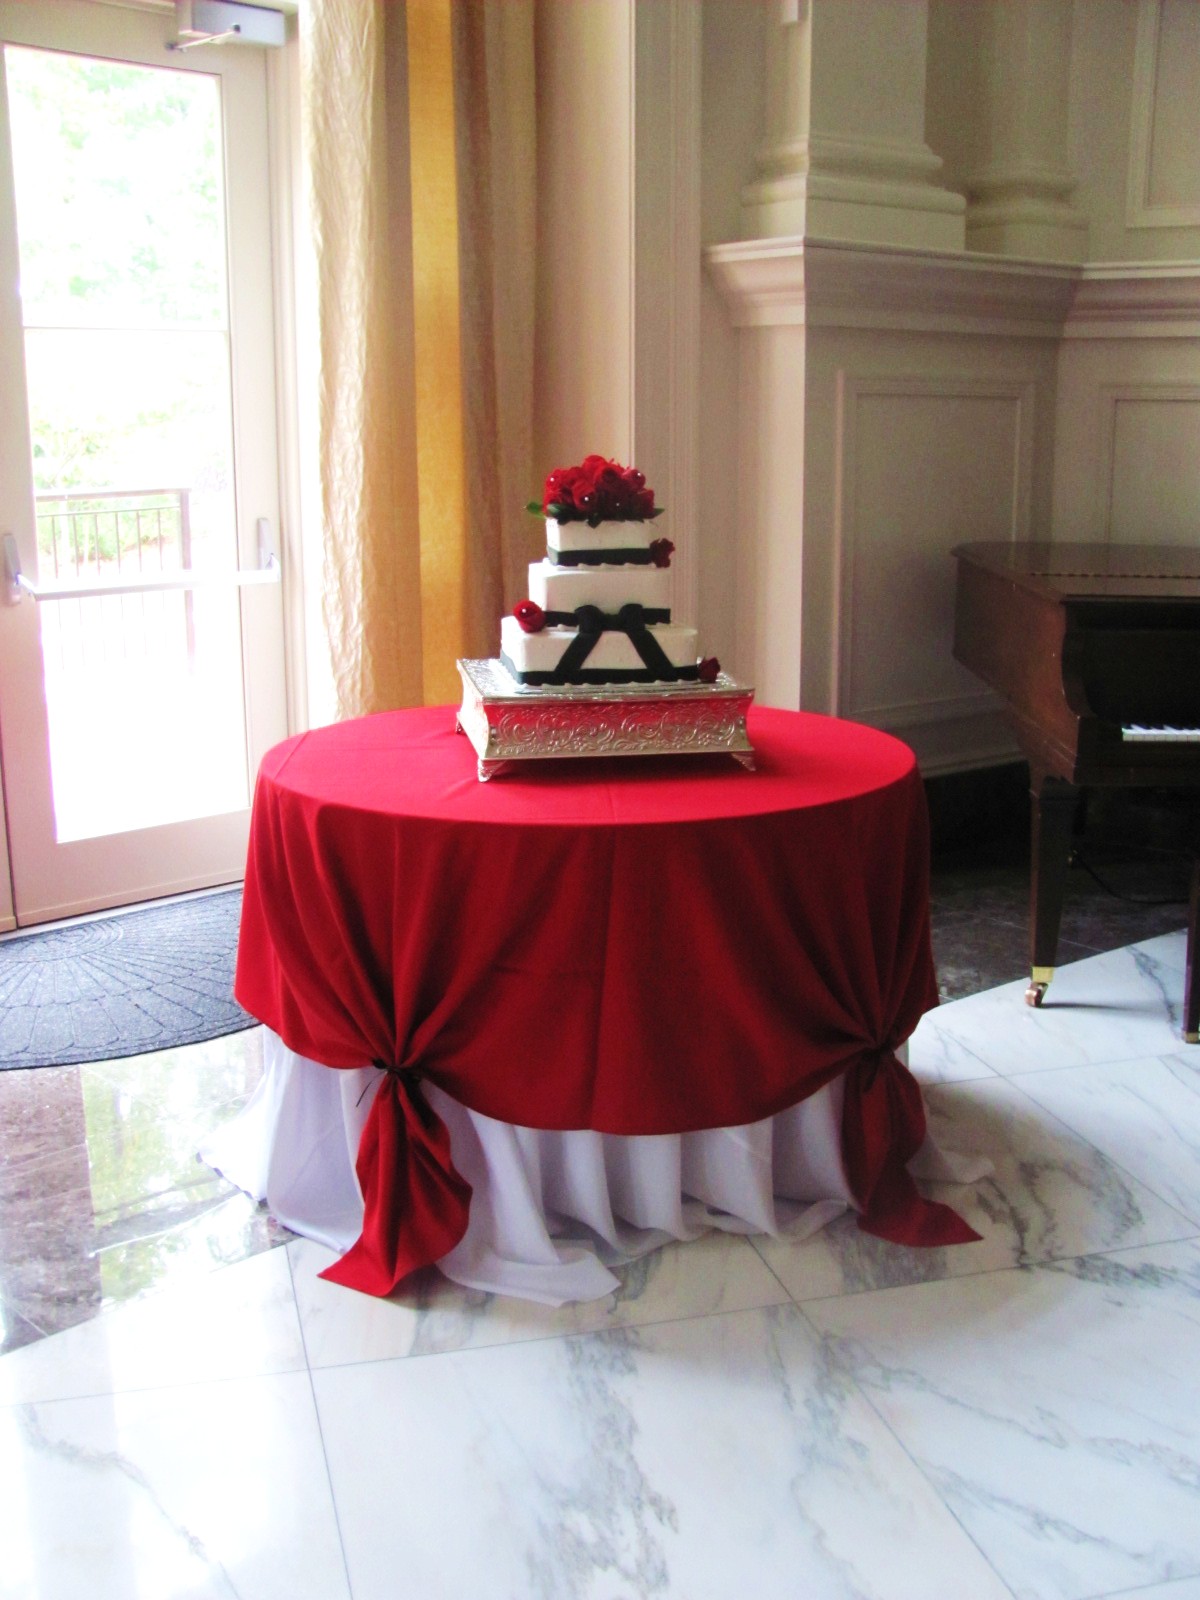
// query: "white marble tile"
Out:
[1144,1115]
[1053,1408]
[212,1491]
[1183,1589]
[936,1055]
[235,1322]
[1118,1006]
[719,1272]
[699,1460]
[1051,1194]
[1165,950]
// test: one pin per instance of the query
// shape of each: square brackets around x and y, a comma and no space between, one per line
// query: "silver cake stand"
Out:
[508,721]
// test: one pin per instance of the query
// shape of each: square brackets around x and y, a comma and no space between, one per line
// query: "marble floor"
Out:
[186,1409]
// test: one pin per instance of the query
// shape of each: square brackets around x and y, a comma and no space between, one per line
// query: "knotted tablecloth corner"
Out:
[883,1127]
[415,1203]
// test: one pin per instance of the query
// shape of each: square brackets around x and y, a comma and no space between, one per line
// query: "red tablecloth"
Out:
[634,946]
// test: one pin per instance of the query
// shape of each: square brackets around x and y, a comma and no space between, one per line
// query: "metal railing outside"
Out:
[106,531]
[85,535]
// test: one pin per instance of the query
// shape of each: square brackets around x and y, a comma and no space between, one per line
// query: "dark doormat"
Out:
[123,985]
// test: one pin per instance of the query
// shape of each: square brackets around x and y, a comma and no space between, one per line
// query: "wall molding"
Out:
[782,282]
[774,281]
[1140,210]
[852,388]
[1159,300]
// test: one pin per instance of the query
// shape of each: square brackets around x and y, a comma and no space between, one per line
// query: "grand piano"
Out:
[1095,649]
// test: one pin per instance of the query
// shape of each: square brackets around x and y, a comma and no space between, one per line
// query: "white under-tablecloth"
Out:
[550,1211]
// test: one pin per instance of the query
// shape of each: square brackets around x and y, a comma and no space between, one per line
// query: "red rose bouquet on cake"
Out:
[596,491]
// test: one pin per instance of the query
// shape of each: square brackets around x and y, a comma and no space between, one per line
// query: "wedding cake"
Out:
[591,663]
[598,609]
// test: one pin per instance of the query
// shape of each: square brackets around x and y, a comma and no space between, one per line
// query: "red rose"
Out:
[709,668]
[610,483]
[583,495]
[596,490]
[661,551]
[557,491]
[530,616]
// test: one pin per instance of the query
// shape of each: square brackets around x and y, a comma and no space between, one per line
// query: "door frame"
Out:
[288,243]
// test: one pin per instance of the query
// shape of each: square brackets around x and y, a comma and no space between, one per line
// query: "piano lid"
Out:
[1093,571]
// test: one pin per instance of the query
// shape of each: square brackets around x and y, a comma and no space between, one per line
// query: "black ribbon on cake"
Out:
[634,621]
[635,556]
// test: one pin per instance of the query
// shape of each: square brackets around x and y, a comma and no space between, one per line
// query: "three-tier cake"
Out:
[591,662]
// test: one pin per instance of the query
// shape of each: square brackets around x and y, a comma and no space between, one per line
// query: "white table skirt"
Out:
[550,1212]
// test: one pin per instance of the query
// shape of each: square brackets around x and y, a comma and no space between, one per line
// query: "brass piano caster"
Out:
[1039,982]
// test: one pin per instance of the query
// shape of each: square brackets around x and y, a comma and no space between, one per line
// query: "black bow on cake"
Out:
[633,619]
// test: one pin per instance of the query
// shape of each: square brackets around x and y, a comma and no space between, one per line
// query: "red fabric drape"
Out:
[646,946]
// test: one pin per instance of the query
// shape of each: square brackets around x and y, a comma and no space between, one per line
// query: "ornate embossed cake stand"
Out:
[508,721]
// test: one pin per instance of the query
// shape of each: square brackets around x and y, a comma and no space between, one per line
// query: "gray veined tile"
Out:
[719,1272]
[1166,950]
[1144,1115]
[1054,1410]
[696,1460]
[236,1322]
[1117,1006]
[1051,1194]
[1181,1589]
[210,1491]
[196,1081]
[15,1330]
[938,1056]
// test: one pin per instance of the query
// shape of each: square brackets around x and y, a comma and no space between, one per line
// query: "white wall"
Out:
[732,113]
[1135,127]
[890,403]
[583,338]
[863,407]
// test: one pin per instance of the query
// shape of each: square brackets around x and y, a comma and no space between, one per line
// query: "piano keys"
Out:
[1095,650]
[1162,735]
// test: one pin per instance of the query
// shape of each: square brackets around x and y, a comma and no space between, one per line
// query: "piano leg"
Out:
[1053,814]
[1191,982]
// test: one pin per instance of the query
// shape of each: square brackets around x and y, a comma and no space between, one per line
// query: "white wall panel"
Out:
[1164,175]
[1127,440]
[926,462]
[1150,478]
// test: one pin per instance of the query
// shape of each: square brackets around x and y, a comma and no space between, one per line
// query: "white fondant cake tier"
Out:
[572,536]
[612,652]
[564,588]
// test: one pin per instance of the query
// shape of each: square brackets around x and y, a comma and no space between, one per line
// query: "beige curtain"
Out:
[419,146]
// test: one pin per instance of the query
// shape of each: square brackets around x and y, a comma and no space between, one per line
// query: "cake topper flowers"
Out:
[596,491]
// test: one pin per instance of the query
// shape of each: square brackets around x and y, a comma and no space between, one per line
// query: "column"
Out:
[845,154]
[1018,198]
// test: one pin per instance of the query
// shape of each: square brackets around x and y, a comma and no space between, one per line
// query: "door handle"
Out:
[17,585]
[15,581]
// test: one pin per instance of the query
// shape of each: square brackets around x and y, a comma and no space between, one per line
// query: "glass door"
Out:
[141,654]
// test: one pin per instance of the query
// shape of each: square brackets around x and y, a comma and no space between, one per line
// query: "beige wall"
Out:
[862,407]
[891,404]
[1133,124]
[583,338]
[1135,127]
[732,114]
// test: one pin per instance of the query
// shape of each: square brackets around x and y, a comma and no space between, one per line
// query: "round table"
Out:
[629,946]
